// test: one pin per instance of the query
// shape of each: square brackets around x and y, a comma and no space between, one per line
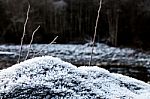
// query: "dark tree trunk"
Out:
[113,18]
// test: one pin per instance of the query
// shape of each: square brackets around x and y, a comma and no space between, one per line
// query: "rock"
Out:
[49,77]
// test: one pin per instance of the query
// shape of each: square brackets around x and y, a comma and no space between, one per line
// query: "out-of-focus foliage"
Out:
[121,21]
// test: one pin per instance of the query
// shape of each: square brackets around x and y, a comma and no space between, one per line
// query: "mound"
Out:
[49,77]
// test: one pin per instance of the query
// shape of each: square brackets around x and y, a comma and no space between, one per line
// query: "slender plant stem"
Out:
[24,30]
[31,42]
[46,46]
[95,32]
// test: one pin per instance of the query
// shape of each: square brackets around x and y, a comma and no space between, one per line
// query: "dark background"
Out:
[121,23]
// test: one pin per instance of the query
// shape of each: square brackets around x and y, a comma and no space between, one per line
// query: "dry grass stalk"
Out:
[24,30]
[46,46]
[95,32]
[31,41]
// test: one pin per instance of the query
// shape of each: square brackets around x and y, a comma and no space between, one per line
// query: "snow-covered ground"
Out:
[101,52]
[6,53]
[121,60]
[49,77]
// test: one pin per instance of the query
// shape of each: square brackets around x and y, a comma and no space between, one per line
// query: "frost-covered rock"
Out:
[49,77]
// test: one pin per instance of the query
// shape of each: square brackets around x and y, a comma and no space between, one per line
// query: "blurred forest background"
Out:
[121,23]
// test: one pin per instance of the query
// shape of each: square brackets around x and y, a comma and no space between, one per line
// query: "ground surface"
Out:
[48,77]
[121,60]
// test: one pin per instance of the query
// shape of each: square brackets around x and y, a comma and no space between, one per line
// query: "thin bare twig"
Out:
[31,41]
[24,30]
[95,32]
[46,46]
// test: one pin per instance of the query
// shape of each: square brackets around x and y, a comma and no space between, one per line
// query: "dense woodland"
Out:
[121,23]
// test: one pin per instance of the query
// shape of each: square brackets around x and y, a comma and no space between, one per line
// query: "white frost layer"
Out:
[44,70]
[6,53]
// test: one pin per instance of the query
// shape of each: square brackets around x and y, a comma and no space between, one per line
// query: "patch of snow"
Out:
[143,96]
[6,53]
[62,79]
[79,52]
